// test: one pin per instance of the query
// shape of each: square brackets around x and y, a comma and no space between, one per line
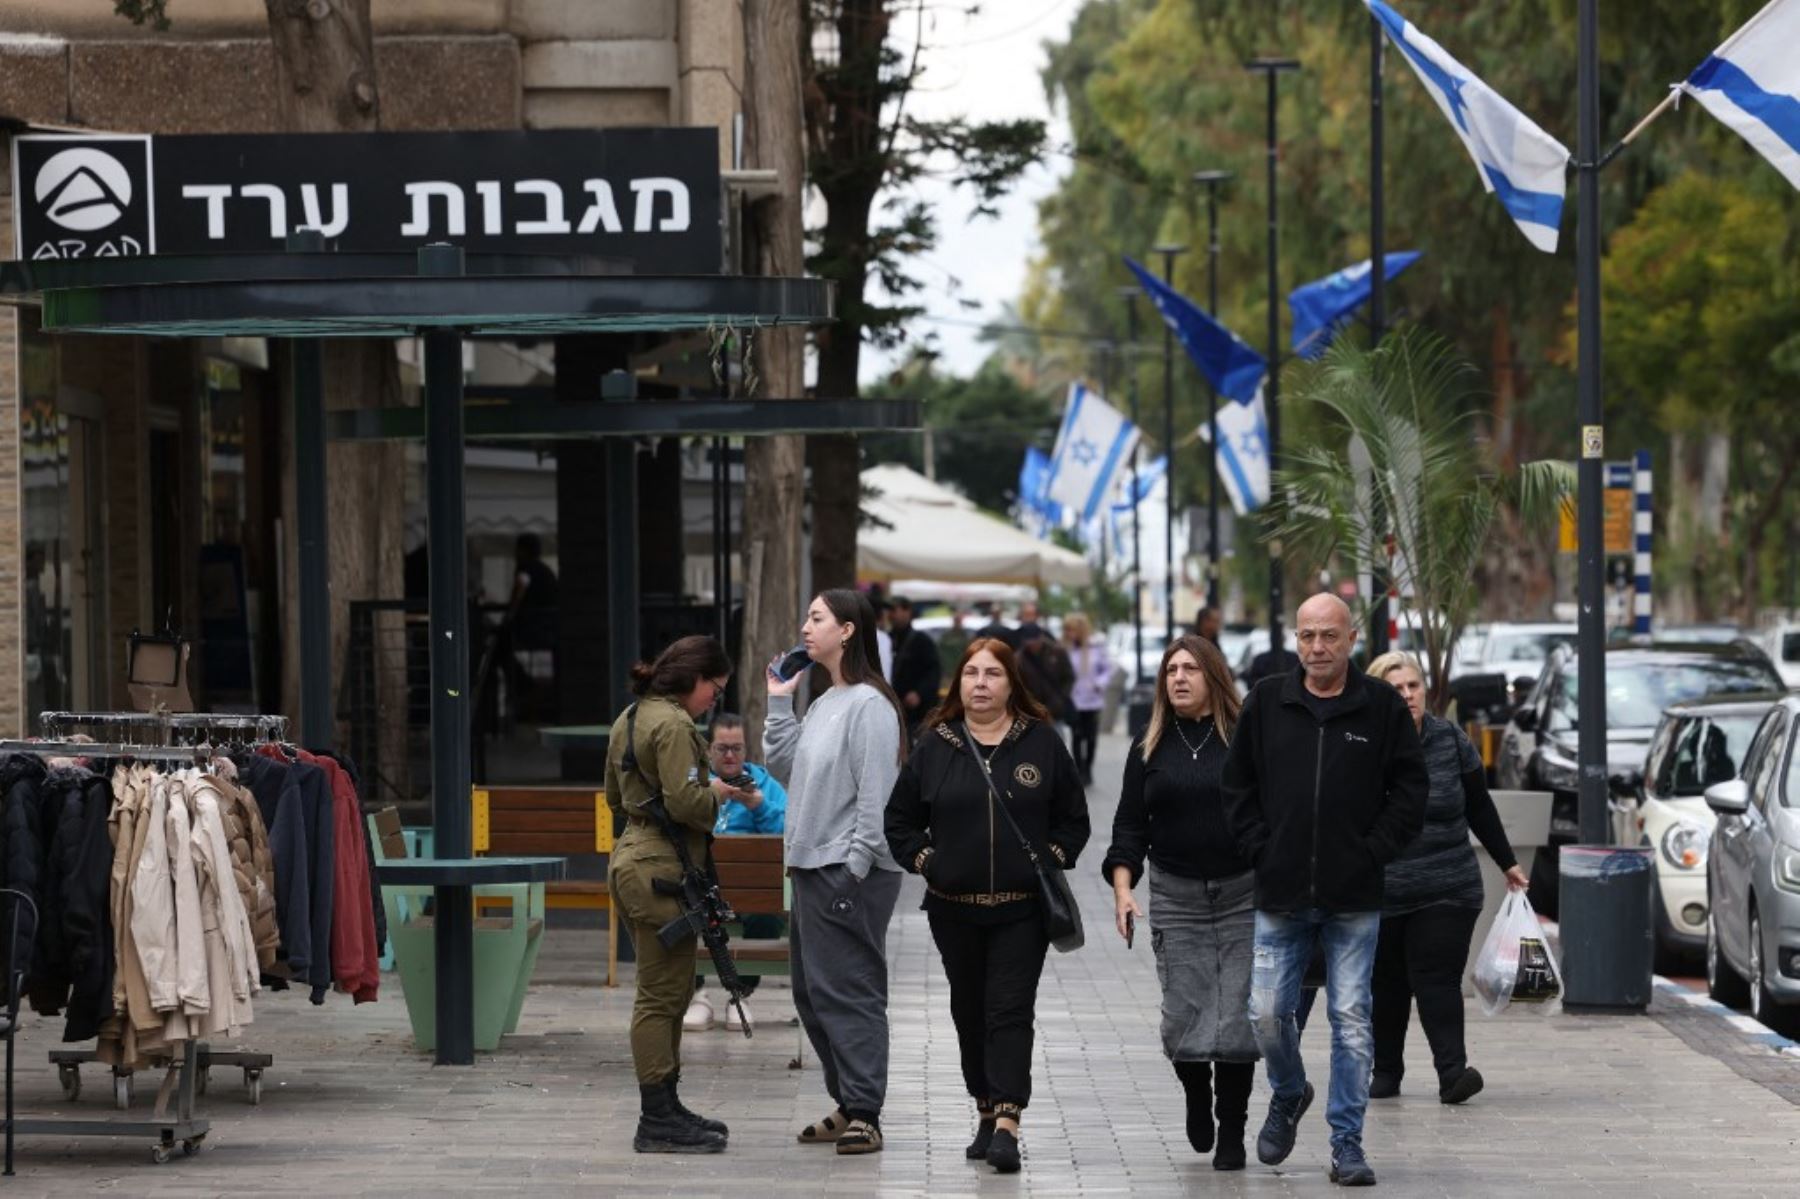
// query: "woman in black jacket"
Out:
[982,897]
[1202,891]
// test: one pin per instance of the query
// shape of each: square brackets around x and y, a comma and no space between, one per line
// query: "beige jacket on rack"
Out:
[252,861]
[165,918]
[231,968]
[123,1036]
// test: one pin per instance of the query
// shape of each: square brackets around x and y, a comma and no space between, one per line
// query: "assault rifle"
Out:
[704,911]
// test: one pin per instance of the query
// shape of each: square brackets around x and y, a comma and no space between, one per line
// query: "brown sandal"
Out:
[826,1131]
[860,1137]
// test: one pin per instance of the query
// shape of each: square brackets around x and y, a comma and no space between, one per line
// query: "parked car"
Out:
[1517,651]
[1753,875]
[1697,745]
[1539,747]
[1782,644]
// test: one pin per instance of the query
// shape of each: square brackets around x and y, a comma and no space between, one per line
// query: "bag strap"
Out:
[987,774]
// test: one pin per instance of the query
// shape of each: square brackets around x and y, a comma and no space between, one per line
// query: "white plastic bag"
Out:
[1515,963]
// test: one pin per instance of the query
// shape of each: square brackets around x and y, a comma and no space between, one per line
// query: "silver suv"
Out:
[1753,874]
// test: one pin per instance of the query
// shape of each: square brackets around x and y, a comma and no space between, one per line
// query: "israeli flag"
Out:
[1232,367]
[1243,453]
[1519,162]
[1092,447]
[1034,473]
[1321,307]
[1752,83]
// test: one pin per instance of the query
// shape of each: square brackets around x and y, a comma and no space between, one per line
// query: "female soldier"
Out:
[685,680]
[1202,890]
[840,764]
[981,887]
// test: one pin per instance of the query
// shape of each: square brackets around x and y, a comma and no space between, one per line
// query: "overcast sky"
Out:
[984,67]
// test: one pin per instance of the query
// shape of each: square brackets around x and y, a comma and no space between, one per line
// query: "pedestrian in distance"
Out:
[751,802]
[840,763]
[1202,892]
[989,746]
[1093,667]
[1432,898]
[917,672]
[659,731]
[1209,622]
[1325,785]
[1046,670]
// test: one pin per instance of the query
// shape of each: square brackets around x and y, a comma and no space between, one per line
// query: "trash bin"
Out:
[1608,944]
[1137,713]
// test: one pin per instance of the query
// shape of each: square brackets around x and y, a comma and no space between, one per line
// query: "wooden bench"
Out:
[753,879]
[558,820]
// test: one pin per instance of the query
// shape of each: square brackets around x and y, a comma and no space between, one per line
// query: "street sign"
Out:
[647,197]
[1617,512]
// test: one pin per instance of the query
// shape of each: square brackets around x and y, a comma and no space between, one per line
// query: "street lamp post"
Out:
[1212,181]
[1378,566]
[1130,296]
[1590,666]
[1272,69]
[1169,254]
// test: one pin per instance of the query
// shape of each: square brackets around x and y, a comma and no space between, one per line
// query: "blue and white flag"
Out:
[1752,83]
[1232,367]
[1243,453]
[1519,162]
[1321,306]
[1092,447]
[1034,474]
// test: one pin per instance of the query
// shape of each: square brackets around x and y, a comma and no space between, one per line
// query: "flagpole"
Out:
[1591,781]
[1272,68]
[1378,575]
[1130,295]
[1169,254]
[1212,181]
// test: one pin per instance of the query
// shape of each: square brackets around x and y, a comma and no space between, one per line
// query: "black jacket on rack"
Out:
[276,787]
[48,986]
[23,845]
[87,908]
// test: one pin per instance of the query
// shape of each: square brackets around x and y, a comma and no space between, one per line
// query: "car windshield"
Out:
[1637,692]
[1711,750]
[1523,647]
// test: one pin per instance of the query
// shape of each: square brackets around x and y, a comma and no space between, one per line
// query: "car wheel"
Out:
[1722,982]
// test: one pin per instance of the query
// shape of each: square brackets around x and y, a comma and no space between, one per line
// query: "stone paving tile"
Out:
[1590,1105]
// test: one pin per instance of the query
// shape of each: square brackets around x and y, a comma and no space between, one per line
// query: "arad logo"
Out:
[83,189]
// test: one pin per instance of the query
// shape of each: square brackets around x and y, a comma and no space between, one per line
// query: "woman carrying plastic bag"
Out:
[1515,964]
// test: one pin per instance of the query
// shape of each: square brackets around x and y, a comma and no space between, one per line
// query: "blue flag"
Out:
[1034,479]
[1232,367]
[1321,306]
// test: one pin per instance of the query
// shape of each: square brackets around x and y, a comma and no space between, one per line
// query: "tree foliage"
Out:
[1428,483]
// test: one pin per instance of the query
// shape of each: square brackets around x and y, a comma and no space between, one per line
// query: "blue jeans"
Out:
[1284,942]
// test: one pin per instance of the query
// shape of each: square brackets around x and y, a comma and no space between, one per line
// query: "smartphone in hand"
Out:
[1130,928]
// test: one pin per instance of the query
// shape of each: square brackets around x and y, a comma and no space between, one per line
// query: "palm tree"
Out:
[1396,455]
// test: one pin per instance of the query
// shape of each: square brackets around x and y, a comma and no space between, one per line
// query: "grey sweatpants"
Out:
[837,946]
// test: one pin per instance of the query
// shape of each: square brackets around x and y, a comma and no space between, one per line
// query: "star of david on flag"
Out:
[1093,449]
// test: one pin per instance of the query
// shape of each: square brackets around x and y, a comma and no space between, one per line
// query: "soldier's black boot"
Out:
[709,1125]
[663,1129]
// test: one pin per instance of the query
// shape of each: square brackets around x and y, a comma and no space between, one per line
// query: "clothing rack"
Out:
[185,1079]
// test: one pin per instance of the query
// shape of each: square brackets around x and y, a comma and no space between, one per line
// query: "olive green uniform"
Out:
[671,758]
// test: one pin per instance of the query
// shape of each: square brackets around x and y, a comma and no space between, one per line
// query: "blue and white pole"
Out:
[1641,525]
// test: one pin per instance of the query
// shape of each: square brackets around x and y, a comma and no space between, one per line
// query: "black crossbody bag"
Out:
[1062,916]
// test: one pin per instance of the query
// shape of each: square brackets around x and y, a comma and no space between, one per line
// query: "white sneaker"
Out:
[732,1022]
[699,1016]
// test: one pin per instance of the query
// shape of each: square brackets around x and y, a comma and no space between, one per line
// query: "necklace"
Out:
[1192,748]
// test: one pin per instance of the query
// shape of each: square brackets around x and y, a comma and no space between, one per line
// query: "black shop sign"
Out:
[647,196]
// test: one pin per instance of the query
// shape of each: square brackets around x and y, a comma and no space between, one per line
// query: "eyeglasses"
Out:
[734,751]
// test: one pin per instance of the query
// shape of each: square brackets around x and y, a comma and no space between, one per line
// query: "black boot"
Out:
[984,1135]
[717,1126]
[1003,1151]
[1232,1105]
[663,1129]
[1196,1080]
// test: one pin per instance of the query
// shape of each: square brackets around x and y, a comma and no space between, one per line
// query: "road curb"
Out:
[1748,1026]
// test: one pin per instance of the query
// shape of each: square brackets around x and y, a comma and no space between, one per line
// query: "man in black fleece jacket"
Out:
[1325,785]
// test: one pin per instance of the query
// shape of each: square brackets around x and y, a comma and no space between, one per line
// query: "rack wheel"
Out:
[69,1075]
[253,1085]
[159,1153]
[122,1091]
[191,1146]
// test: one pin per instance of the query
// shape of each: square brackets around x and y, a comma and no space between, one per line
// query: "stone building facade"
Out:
[142,480]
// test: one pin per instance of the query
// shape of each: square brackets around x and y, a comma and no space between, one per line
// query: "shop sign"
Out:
[650,197]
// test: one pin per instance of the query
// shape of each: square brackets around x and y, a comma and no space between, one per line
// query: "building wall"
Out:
[441,64]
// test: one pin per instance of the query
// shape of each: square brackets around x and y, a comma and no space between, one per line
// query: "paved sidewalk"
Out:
[1595,1105]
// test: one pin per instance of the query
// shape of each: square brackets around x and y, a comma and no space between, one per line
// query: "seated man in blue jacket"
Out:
[751,800]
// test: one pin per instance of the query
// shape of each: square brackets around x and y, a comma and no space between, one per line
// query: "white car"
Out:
[1517,651]
[1696,745]
[1782,644]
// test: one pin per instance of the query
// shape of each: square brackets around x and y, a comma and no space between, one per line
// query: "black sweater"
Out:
[1322,797]
[1171,808]
[942,803]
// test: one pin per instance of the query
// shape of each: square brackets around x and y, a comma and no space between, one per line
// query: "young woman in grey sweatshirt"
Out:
[840,764]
